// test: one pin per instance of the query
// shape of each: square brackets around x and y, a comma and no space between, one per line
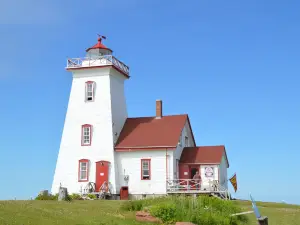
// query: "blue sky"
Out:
[233,66]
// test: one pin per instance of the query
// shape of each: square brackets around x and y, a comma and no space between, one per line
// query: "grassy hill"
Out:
[277,213]
[109,213]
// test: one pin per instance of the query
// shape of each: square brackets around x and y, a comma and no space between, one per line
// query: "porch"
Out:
[190,186]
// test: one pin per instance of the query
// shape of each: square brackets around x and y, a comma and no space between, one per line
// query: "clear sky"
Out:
[233,66]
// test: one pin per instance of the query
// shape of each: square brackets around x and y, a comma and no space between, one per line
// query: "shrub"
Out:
[92,196]
[136,205]
[47,197]
[166,212]
[75,196]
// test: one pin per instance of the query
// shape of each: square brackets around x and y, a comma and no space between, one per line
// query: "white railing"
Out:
[97,61]
[190,185]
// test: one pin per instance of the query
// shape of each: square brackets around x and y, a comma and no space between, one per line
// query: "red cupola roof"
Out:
[99,45]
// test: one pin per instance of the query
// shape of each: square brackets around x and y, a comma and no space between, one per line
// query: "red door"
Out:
[183,171]
[102,169]
[183,175]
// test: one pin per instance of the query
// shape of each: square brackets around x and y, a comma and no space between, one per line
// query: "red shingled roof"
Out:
[203,154]
[149,132]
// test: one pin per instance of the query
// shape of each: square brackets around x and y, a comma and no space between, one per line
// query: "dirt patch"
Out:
[146,217]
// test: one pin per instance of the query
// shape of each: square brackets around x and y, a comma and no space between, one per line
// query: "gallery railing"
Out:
[103,60]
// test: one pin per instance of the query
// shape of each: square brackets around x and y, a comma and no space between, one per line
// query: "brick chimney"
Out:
[158,109]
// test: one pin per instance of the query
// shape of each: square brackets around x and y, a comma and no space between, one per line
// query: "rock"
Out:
[62,194]
[184,223]
[146,217]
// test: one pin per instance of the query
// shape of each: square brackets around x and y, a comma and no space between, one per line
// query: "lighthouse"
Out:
[95,116]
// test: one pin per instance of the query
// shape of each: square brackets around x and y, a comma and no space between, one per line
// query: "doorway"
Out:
[193,172]
[102,173]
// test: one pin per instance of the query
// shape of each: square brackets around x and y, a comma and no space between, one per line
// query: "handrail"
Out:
[186,185]
[97,61]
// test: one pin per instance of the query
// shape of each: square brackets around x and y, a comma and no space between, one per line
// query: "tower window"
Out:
[89,91]
[145,169]
[186,141]
[86,137]
[83,170]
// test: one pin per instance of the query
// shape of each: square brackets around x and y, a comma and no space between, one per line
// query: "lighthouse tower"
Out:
[95,116]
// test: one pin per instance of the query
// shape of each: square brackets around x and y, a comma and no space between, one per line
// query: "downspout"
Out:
[166,164]
[166,170]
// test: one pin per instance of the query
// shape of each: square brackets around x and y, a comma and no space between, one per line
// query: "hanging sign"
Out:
[209,171]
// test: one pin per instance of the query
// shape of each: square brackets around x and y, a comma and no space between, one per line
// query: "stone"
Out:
[146,217]
[184,223]
[263,220]
[62,194]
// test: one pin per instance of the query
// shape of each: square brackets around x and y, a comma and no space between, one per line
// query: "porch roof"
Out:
[204,155]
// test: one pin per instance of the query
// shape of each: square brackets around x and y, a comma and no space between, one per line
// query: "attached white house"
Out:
[102,146]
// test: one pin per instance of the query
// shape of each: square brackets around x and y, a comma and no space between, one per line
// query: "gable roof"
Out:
[203,154]
[150,132]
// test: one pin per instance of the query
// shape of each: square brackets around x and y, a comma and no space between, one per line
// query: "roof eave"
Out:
[98,48]
[226,157]
[143,148]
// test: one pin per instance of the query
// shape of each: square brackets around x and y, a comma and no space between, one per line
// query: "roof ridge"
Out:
[155,116]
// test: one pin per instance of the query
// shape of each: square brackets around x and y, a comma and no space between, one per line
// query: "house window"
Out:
[180,140]
[186,141]
[83,170]
[145,169]
[86,138]
[89,91]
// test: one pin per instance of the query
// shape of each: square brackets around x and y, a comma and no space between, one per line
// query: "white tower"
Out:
[95,116]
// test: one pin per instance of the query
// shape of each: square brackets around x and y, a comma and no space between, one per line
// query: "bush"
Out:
[47,197]
[75,196]
[51,197]
[202,210]
[92,196]
[132,205]
[166,212]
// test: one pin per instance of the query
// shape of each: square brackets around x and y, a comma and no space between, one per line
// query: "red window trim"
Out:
[91,130]
[148,160]
[93,92]
[87,169]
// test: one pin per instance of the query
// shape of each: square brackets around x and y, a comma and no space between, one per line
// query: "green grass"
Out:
[65,213]
[110,213]
[277,213]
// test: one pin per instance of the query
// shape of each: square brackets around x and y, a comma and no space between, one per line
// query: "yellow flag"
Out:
[233,182]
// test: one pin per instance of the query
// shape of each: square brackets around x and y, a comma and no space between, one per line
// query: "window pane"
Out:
[145,172]
[83,175]
[145,165]
[83,166]
[90,87]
